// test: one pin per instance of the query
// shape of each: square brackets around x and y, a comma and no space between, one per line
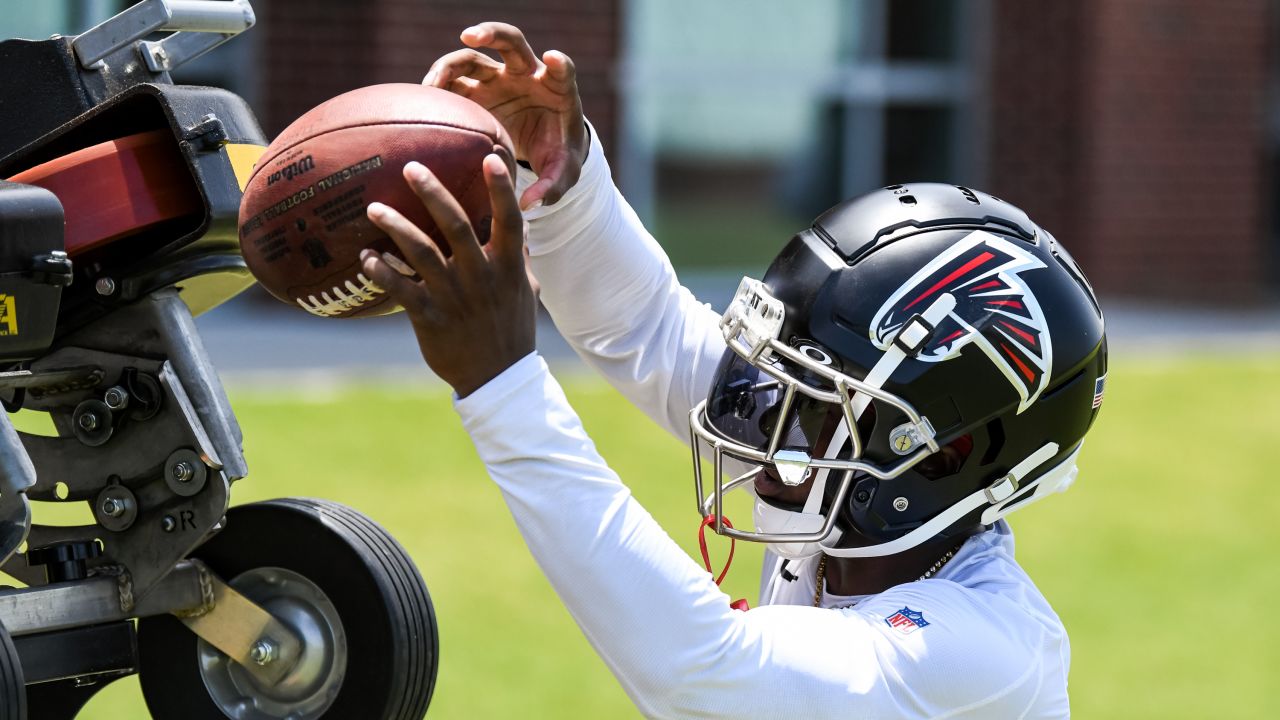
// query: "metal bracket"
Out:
[198,25]
[755,314]
[99,599]
[157,525]
[1002,489]
[908,437]
[243,631]
[792,466]
[914,335]
[213,610]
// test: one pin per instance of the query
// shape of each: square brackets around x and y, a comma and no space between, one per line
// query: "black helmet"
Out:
[926,353]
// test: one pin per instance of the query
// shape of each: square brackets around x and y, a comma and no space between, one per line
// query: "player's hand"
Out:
[535,99]
[473,312]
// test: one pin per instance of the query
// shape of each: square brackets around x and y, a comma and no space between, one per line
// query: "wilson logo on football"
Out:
[995,310]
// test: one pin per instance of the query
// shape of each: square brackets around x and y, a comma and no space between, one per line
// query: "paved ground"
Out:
[256,342]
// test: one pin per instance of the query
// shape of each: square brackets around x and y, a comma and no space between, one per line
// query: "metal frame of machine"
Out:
[102,340]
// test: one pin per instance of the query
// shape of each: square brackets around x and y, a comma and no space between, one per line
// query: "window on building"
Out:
[737,139]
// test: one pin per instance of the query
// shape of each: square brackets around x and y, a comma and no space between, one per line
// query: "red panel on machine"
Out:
[117,188]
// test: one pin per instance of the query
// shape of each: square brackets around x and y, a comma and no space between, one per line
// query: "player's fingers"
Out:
[554,169]
[564,174]
[561,75]
[508,41]
[533,195]
[507,158]
[506,238]
[399,265]
[419,249]
[410,295]
[461,63]
[463,86]
[448,214]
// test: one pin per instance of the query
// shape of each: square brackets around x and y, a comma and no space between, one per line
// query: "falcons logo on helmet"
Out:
[994,310]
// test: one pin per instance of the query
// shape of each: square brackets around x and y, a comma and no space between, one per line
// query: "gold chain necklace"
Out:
[822,572]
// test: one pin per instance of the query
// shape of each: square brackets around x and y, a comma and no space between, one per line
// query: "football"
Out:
[302,218]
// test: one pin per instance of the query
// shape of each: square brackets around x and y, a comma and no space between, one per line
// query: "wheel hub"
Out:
[313,683]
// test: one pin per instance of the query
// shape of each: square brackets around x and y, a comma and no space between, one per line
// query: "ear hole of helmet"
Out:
[995,442]
[948,460]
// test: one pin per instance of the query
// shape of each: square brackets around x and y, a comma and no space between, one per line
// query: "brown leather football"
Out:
[302,218]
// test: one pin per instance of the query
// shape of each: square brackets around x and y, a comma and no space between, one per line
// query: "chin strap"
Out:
[911,338]
[996,494]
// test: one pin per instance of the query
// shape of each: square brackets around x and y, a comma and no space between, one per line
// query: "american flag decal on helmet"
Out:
[995,310]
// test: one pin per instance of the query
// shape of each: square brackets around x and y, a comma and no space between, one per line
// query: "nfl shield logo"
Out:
[906,621]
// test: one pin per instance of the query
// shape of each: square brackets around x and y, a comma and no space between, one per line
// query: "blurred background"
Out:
[1145,134]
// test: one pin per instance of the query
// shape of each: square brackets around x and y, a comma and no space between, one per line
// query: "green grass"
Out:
[1160,560]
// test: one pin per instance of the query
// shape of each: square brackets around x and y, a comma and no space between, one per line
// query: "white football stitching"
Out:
[354,296]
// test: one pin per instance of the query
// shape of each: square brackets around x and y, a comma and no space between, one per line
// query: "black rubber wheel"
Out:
[391,644]
[13,691]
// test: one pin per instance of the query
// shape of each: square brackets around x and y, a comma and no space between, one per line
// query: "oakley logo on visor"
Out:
[995,310]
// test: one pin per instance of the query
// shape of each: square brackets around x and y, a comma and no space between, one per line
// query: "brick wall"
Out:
[310,52]
[1035,106]
[316,49]
[1135,131]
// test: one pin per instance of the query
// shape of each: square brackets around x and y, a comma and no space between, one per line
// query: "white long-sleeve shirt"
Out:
[976,641]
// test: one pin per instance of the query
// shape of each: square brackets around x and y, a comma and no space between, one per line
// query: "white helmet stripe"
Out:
[944,519]
[876,378]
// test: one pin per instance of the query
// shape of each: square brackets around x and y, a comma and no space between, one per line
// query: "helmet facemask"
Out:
[790,411]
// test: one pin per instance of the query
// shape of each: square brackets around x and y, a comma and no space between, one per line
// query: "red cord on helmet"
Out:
[702,545]
[706,556]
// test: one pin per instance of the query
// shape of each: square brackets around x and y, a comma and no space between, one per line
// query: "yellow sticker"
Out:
[243,157]
[8,315]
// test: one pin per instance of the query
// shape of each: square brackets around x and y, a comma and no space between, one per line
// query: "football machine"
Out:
[119,193]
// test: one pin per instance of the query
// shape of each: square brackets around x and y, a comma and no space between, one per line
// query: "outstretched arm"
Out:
[616,299]
[605,281]
[667,632]
[656,618]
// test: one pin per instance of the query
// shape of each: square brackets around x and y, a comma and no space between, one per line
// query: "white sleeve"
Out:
[615,298]
[665,629]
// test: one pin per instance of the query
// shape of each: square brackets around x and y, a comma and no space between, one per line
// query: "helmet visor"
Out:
[745,406]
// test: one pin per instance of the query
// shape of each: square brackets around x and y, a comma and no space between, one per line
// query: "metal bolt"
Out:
[168,524]
[904,439]
[112,507]
[862,496]
[183,472]
[900,504]
[88,421]
[116,397]
[105,286]
[160,57]
[263,652]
